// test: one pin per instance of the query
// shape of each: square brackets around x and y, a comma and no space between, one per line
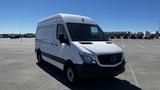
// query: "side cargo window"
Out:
[61,30]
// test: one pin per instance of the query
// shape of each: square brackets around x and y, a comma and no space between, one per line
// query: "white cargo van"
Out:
[78,46]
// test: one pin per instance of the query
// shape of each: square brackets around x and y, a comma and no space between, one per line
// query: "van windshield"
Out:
[86,32]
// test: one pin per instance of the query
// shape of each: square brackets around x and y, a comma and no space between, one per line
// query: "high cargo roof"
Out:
[70,18]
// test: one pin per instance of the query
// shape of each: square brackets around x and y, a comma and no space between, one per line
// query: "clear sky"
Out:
[21,16]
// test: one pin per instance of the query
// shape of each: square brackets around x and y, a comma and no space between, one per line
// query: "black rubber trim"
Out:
[55,58]
[94,70]
[85,42]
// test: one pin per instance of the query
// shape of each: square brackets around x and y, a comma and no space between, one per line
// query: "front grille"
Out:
[110,59]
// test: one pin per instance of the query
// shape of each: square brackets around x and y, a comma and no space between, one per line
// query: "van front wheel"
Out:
[71,75]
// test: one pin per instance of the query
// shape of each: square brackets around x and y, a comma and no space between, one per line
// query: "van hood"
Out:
[98,47]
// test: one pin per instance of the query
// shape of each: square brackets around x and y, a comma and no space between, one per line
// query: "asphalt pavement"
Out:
[19,71]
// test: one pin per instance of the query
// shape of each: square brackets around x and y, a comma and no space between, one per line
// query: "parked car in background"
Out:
[14,36]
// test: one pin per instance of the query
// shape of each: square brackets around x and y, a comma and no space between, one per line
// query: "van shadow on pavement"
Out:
[89,84]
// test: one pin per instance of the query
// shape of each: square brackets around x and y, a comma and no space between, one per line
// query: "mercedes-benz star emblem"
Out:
[114,59]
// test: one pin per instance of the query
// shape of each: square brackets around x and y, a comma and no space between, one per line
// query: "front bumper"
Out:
[94,70]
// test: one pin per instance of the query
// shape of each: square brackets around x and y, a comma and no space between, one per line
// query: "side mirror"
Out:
[62,39]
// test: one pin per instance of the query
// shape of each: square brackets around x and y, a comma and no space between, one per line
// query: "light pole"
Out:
[21,37]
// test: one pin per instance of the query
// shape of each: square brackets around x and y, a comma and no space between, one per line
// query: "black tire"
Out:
[39,57]
[71,75]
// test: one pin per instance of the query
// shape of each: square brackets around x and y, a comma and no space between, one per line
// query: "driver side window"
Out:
[61,30]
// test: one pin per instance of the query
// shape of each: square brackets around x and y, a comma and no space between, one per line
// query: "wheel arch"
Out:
[67,63]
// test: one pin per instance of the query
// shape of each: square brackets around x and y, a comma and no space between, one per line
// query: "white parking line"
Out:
[140,46]
[133,74]
[123,42]
[130,66]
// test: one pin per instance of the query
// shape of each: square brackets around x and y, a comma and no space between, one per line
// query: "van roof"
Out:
[70,18]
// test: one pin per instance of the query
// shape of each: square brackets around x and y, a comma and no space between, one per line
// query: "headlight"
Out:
[87,58]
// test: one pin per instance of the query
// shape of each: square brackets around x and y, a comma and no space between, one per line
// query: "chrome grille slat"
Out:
[110,59]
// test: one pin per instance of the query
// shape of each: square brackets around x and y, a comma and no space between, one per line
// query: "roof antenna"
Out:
[83,20]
